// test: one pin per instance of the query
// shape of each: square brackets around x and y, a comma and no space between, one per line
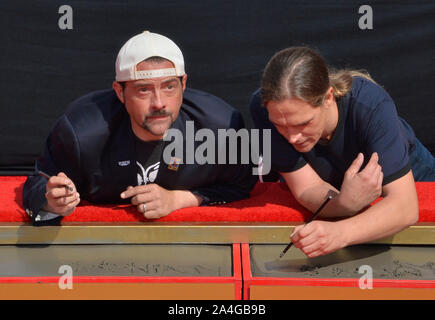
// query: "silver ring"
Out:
[144,207]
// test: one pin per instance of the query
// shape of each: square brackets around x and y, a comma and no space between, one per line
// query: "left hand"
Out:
[318,238]
[360,188]
[158,201]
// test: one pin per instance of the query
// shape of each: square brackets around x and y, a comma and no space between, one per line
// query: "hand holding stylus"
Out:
[314,216]
[61,194]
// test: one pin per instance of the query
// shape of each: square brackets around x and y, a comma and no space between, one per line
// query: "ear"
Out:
[119,90]
[329,99]
[184,81]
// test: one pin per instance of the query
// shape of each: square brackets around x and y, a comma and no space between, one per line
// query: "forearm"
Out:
[311,191]
[385,218]
[313,197]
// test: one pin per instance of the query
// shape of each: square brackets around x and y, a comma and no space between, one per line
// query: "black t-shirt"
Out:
[148,160]
[367,123]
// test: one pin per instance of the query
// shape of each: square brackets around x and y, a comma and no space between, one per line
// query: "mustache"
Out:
[158,113]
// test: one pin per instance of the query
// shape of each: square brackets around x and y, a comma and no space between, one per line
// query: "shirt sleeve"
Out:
[385,135]
[61,153]
[283,157]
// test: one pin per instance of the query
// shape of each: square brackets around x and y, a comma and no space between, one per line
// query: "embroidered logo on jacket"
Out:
[124,163]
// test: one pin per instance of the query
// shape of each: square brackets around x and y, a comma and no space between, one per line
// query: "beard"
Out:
[158,127]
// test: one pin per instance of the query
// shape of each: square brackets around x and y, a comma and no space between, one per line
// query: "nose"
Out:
[157,101]
[293,137]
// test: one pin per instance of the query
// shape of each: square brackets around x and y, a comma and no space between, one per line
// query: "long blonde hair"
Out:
[302,73]
[341,80]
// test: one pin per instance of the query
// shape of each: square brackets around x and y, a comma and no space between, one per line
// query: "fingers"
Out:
[143,198]
[295,236]
[303,235]
[133,191]
[358,162]
[69,208]
[315,253]
[62,174]
[380,178]
[307,244]
[139,194]
[61,194]
[60,181]
[356,165]
[371,172]
[62,200]
[158,201]
[150,211]
[373,175]
[372,165]
[62,205]
[312,239]
[59,191]
[149,206]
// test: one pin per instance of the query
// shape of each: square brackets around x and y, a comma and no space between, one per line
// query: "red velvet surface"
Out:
[268,202]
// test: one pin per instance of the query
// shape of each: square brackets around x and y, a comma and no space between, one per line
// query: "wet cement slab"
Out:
[117,260]
[387,262]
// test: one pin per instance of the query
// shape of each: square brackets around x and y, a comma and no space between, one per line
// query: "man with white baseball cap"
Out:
[108,146]
[150,60]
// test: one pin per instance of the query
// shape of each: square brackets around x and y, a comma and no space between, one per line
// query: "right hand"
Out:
[60,199]
[359,189]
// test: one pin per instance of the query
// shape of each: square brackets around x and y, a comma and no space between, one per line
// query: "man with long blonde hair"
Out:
[338,132]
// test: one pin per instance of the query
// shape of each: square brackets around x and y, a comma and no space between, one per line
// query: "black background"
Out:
[226,45]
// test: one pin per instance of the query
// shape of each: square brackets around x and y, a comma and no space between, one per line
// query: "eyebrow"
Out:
[143,83]
[304,122]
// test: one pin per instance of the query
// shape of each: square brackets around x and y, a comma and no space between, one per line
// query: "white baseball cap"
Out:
[142,47]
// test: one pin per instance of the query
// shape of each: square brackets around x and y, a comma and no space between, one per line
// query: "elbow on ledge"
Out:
[412,213]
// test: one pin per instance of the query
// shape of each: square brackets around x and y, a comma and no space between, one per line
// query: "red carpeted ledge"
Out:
[268,202]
